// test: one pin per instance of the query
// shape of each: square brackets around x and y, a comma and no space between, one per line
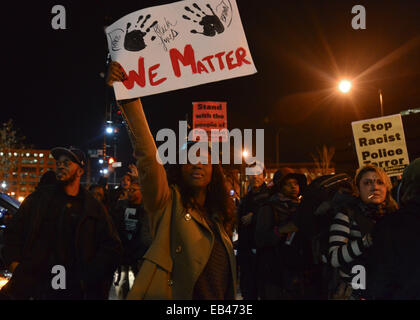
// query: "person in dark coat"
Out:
[350,232]
[278,254]
[393,271]
[61,227]
[120,193]
[247,255]
[100,194]
[133,227]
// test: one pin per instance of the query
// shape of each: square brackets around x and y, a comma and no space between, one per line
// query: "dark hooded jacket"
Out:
[250,203]
[277,253]
[394,260]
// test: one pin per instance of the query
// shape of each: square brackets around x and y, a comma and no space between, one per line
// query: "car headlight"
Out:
[3,282]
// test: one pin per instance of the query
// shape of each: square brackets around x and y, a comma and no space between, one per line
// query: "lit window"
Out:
[28,154]
[41,155]
[10,154]
[1,154]
[35,154]
[15,154]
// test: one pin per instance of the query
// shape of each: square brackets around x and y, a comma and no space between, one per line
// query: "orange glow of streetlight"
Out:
[344,86]
[245,154]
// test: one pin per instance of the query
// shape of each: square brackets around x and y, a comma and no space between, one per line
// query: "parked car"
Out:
[8,207]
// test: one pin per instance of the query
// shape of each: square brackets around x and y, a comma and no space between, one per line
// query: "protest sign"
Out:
[210,115]
[381,142]
[179,45]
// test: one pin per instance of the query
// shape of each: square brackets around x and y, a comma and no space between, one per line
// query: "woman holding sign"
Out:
[191,216]
[350,231]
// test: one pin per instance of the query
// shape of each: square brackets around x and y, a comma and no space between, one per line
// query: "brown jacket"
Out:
[182,240]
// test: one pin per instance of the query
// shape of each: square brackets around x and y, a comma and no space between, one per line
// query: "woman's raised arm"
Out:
[152,175]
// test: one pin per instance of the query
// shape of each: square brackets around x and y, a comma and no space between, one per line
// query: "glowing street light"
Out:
[245,153]
[344,86]
[109,130]
[4,185]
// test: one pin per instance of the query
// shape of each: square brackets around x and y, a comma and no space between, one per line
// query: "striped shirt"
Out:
[346,244]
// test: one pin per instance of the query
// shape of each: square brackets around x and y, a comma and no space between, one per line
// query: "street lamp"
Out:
[344,86]
[109,130]
[242,175]
[381,102]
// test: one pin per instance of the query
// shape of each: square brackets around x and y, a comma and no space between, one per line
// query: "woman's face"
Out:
[291,188]
[197,176]
[125,182]
[372,188]
[98,194]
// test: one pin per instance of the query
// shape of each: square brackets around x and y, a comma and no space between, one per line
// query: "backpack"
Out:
[314,217]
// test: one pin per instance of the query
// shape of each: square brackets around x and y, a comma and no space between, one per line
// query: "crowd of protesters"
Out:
[166,233]
[365,229]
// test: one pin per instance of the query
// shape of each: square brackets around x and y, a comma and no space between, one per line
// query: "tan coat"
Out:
[182,239]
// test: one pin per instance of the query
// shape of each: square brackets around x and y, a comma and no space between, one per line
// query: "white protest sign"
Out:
[381,142]
[179,45]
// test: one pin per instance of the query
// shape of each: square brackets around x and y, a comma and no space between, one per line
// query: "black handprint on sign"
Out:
[134,40]
[211,23]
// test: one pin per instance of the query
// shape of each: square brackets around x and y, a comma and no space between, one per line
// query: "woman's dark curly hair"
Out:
[217,197]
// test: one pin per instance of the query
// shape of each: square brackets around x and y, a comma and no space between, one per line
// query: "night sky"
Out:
[53,92]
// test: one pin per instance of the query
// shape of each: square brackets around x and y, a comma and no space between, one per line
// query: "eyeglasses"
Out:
[65,163]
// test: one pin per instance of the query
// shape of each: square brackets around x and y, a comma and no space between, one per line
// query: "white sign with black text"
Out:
[381,142]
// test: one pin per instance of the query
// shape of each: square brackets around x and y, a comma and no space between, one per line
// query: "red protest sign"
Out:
[210,115]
